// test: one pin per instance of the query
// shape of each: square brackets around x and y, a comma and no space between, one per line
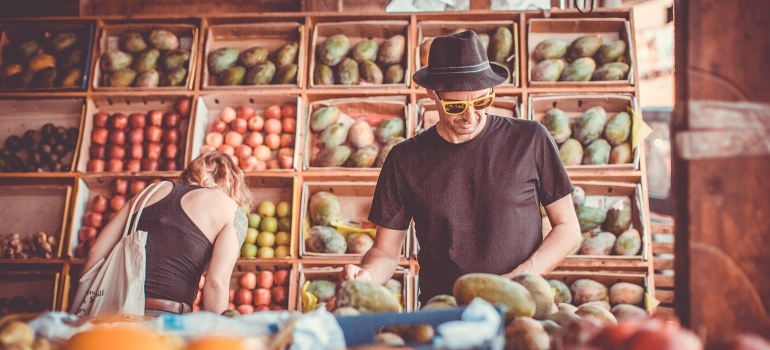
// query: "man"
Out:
[473,183]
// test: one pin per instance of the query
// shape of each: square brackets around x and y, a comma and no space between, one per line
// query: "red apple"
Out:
[289,111]
[118,137]
[217,125]
[235,160]
[155,117]
[117,152]
[273,141]
[261,165]
[134,165]
[152,150]
[285,162]
[117,202]
[248,280]
[248,163]
[119,121]
[93,219]
[227,149]
[182,106]
[239,125]
[101,120]
[261,308]
[120,186]
[273,112]
[287,140]
[227,114]
[286,151]
[273,126]
[170,151]
[137,120]
[262,296]
[245,112]
[242,151]
[277,308]
[256,123]
[170,136]
[153,133]
[99,204]
[245,309]
[136,151]
[281,278]
[150,164]
[254,139]
[79,251]
[170,164]
[233,138]
[243,296]
[137,186]
[231,295]
[171,120]
[87,232]
[289,125]
[99,136]
[96,151]
[265,279]
[214,139]
[115,165]
[272,164]
[231,305]
[279,294]
[136,136]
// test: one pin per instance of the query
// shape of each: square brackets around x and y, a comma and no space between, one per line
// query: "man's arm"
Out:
[380,262]
[563,238]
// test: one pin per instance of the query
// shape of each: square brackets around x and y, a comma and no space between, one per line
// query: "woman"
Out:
[191,223]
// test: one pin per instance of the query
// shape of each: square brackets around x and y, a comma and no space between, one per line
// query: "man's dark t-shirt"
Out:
[475,204]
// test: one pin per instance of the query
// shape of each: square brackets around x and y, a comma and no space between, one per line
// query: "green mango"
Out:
[261,74]
[578,196]
[389,129]
[590,218]
[370,72]
[322,289]
[231,76]
[162,39]
[253,56]
[122,78]
[347,72]
[496,290]
[366,297]
[628,243]
[600,244]
[540,290]
[550,49]
[324,208]
[366,51]
[392,50]
[360,134]
[621,154]
[333,157]
[590,125]
[558,125]
[571,152]
[597,153]
[174,77]
[334,135]
[73,77]
[500,45]
[222,59]
[363,157]
[484,38]
[584,46]
[610,52]
[323,117]
[175,59]
[286,55]
[147,60]
[70,59]
[579,70]
[325,239]
[62,42]
[618,218]
[8,70]
[386,149]
[562,294]
[45,78]
[394,75]
[611,71]
[618,129]
[148,79]
[333,49]
[115,60]
[323,75]
[548,70]
[132,42]
[286,74]
[25,49]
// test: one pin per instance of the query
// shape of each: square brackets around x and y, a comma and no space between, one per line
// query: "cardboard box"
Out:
[427,115]
[29,209]
[242,267]
[40,284]
[19,115]
[575,104]
[208,108]
[602,195]
[332,272]
[129,105]
[373,110]
[109,39]
[16,31]
[431,29]
[356,32]
[270,35]
[608,279]
[540,29]
[275,189]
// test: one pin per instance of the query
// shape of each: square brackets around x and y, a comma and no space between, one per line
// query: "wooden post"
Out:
[721,161]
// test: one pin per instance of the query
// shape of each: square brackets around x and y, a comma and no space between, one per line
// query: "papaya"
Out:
[564,318]
[524,333]
[621,154]
[366,297]
[610,71]
[366,50]
[590,125]
[334,135]
[550,49]
[571,152]
[115,60]
[324,207]
[348,72]
[597,314]
[322,289]
[610,51]
[162,39]
[578,196]
[600,303]
[497,291]
[61,42]
[558,125]
[363,157]
[132,42]
[146,60]
[222,59]
[500,45]
[394,75]
[582,69]
[359,243]
[441,301]
[601,244]
[175,59]
[625,311]
[323,117]
[323,75]
[122,78]
[325,239]
[287,74]
[584,46]
[548,70]
[148,79]
[286,55]
[231,76]
[253,56]
[333,49]
[333,157]
[385,150]
[360,134]
[618,129]
[566,307]
[370,72]
[589,217]
[393,285]
[389,129]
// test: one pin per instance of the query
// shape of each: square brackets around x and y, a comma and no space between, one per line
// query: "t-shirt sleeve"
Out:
[389,206]
[554,181]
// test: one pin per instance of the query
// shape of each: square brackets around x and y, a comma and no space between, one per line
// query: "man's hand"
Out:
[353,272]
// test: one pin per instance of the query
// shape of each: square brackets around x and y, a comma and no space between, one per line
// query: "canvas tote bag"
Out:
[115,285]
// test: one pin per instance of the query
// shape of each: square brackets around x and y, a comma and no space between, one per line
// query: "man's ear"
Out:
[432,95]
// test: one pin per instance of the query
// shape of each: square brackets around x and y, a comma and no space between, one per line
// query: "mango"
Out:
[333,49]
[333,157]
[414,333]
[496,290]
[147,60]
[590,125]
[132,42]
[253,56]
[618,217]
[325,239]
[563,318]
[323,75]
[548,70]
[175,59]
[370,72]
[163,40]
[500,45]
[610,71]
[287,74]
[62,42]
[347,72]
[334,135]
[388,339]
[41,61]
[550,49]
[115,60]
[600,303]
[626,293]
[222,59]
[16,334]
[597,314]
[571,152]
[174,77]
[628,243]
[45,78]
[322,289]
[366,297]
[363,157]
[584,46]
[122,78]
[524,333]
[231,76]
[346,311]
[578,196]
[25,49]
[286,55]
[621,154]
[618,129]
[70,59]
[324,207]
[552,328]
[579,70]
[597,153]
[540,290]
[392,51]
[601,244]
[385,150]
[389,129]
[394,75]
[323,117]
[148,79]
[558,125]
[441,301]
[73,77]
[590,217]
[425,50]
[567,307]
[393,285]
[261,74]
[360,134]
[366,51]
[585,290]
[562,294]
[8,70]
[624,312]
[610,51]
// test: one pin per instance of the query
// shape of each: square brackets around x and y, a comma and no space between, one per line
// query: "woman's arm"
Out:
[226,250]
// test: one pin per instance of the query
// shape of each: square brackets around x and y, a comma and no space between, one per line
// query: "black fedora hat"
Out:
[458,62]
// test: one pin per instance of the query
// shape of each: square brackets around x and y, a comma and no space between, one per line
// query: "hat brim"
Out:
[462,81]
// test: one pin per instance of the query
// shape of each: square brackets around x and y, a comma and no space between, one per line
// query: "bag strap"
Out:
[151,189]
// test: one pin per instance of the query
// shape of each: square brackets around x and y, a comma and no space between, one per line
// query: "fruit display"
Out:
[45,59]
[263,290]
[255,139]
[257,65]
[269,232]
[34,246]
[606,223]
[353,140]
[321,288]
[20,304]
[146,58]
[150,141]
[49,149]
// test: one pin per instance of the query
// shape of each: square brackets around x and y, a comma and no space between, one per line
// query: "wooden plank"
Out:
[664,281]
[663,264]
[665,296]
[664,311]
[661,228]
[658,247]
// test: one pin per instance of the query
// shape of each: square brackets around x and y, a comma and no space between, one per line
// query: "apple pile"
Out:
[260,291]
[255,142]
[137,142]
[101,209]
[268,235]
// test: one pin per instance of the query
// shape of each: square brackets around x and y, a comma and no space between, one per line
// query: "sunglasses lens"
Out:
[486,102]
[455,108]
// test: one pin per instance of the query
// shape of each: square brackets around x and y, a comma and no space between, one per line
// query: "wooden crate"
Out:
[153,8]
[427,115]
[42,284]
[276,189]
[608,279]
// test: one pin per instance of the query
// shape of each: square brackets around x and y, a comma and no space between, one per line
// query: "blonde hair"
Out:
[216,170]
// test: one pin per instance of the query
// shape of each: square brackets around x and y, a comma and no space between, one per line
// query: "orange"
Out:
[114,338]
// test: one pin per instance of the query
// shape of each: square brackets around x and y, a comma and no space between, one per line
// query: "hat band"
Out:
[460,69]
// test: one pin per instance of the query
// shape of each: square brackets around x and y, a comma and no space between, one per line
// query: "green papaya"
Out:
[548,70]
[610,71]
[333,157]
[122,78]
[147,79]
[610,51]
[618,129]
[590,218]
[163,39]
[175,59]
[261,74]
[347,72]
[618,217]
[394,75]
[500,45]
[325,239]
[628,243]
[62,42]
[363,157]
[231,76]
[579,70]
[25,49]
[174,77]
[286,55]
[370,72]
[584,46]
[360,134]
[386,149]
[334,135]
[621,154]
[571,152]
[550,49]
[286,74]
[324,208]
[578,196]
[323,75]
[590,125]
[333,49]
[323,117]
[366,51]
[392,50]
[597,153]
[322,289]
[147,60]
[222,59]
[132,42]
[389,129]
[115,60]
[558,125]
[562,293]
[253,56]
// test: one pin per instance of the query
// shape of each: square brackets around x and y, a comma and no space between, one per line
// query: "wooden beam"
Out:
[665,296]
[660,247]
[664,281]
[663,264]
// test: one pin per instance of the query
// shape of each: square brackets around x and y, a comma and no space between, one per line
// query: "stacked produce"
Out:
[351,298]
[54,60]
[261,291]
[592,138]
[45,150]
[254,66]
[368,62]
[498,43]
[35,246]
[145,60]
[269,232]
[339,140]
[606,232]
[138,142]
[19,304]
[254,141]
[558,60]
[325,210]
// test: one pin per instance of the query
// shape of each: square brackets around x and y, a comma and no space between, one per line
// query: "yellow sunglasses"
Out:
[458,107]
